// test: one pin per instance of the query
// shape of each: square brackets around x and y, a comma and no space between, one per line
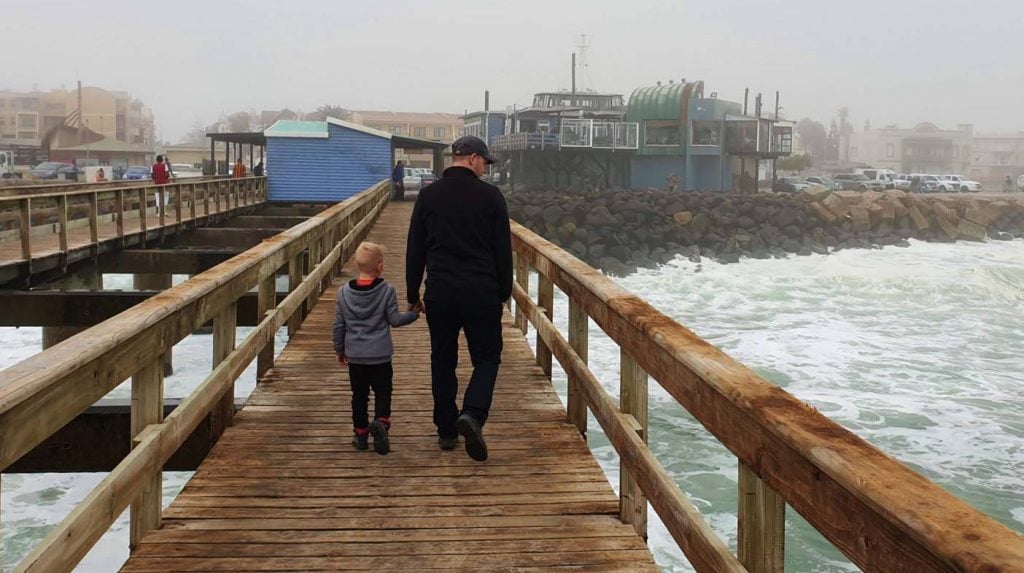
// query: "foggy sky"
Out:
[895,61]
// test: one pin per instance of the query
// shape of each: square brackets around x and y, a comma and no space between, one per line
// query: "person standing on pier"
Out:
[459,233]
[398,181]
[161,175]
[239,168]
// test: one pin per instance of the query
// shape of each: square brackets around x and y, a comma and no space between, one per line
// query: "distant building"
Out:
[997,155]
[924,148]
[442,127]
[114,115]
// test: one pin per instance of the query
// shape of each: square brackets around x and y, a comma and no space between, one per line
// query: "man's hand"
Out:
[342,360]
[418,307]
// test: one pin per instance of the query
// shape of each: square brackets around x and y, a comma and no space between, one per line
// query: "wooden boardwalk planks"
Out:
[284,490]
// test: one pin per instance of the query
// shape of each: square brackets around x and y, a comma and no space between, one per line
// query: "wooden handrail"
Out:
[110,189]
[64,547]
[881,514]
[69,377]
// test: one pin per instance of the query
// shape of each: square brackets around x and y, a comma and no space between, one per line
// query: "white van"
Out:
[886,176]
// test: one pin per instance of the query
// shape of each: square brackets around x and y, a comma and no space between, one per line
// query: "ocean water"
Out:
[918,350]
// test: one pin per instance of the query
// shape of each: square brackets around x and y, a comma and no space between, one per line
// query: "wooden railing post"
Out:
[94,221]
[147,408]
[546,301]
[579,328]
[119,215]
[314,260]
[192,204]
[206,199]
[223,343]
[160,203]
[266,300]
[143,214]
[177,207]
[762,525]
[62,216]
[633,402]
[522,270]
[294,278]
[25,227]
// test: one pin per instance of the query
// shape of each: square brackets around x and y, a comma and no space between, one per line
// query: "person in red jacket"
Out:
[160,174]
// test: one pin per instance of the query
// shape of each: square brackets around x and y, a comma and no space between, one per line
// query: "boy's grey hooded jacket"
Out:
[363,318]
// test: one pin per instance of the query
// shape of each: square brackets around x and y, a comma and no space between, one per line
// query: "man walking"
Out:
[398,181]
[460,234]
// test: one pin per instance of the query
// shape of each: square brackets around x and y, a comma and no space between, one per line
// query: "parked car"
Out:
[901,181]
[789,185]
[884,176]
[185,171]
[857,182]
[929,183]
[427,177]
[954,183]
[411,181]
[137,173]
[54,170]
[824,182]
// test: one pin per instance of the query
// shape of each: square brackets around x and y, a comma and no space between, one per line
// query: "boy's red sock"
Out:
[385,421]
[361,431]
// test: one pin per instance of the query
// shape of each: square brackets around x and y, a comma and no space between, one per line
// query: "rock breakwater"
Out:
[618,231]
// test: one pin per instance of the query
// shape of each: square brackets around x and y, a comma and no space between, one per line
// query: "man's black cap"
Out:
[468,145]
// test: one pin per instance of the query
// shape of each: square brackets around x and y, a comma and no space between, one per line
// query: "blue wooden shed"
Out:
[324,161]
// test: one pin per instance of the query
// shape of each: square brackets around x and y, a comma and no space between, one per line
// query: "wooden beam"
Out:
[546,301]
[579,335]
[177,262]
[523,279]
[84,308]
[147,409]
[261,222]
[224,333]
[633,397]
[294,279]
[762,525]
[25,227]
[99,438]
[877,511]
[228,238]
[267,300]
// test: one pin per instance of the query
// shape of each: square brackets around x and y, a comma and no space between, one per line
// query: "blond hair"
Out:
[368,255]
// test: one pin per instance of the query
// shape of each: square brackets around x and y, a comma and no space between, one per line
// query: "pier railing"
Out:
[878,512]
[173,203]
[41,394]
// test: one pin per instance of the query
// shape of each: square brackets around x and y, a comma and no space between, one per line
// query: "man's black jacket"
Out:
[460,234]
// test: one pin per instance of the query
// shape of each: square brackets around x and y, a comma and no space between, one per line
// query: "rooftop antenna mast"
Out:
[582,45]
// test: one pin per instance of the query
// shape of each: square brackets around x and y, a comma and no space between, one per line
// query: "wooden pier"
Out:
[283,490]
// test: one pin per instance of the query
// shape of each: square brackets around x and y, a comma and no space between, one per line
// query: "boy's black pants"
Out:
[363,377]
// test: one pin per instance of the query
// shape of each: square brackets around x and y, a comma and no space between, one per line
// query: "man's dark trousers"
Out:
[482,324]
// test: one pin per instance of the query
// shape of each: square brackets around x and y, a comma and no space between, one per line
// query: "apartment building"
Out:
[924,148]
[113,114]
[432,126]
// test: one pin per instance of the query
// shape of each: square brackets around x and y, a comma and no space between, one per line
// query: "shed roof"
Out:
[242,137]
[295,128]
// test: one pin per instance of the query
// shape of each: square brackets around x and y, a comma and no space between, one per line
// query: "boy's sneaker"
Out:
[448,444]
[381,442]
[361,441]
[471,431]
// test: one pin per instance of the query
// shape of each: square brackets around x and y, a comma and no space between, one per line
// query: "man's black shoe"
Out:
[470,430]
[361,442]
[381,442]
[448,443]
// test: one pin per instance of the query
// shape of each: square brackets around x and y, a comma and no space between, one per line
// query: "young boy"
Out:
[367,308]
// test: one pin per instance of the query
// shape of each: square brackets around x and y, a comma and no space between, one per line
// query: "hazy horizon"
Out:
[900,62]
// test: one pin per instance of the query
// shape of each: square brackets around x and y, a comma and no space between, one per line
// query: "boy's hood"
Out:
[364,302]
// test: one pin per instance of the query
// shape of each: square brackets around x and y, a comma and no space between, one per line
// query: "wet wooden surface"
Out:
[284,490]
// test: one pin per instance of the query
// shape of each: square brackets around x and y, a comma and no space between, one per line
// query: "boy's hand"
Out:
[342,360]
[418,307]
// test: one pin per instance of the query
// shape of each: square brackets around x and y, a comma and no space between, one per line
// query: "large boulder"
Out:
[836,205]
[970,231]
[682,218]
[947,219]
[816,192]
[861,219]
[917,219]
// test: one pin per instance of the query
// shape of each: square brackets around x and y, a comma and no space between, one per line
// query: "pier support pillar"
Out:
[87,277]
